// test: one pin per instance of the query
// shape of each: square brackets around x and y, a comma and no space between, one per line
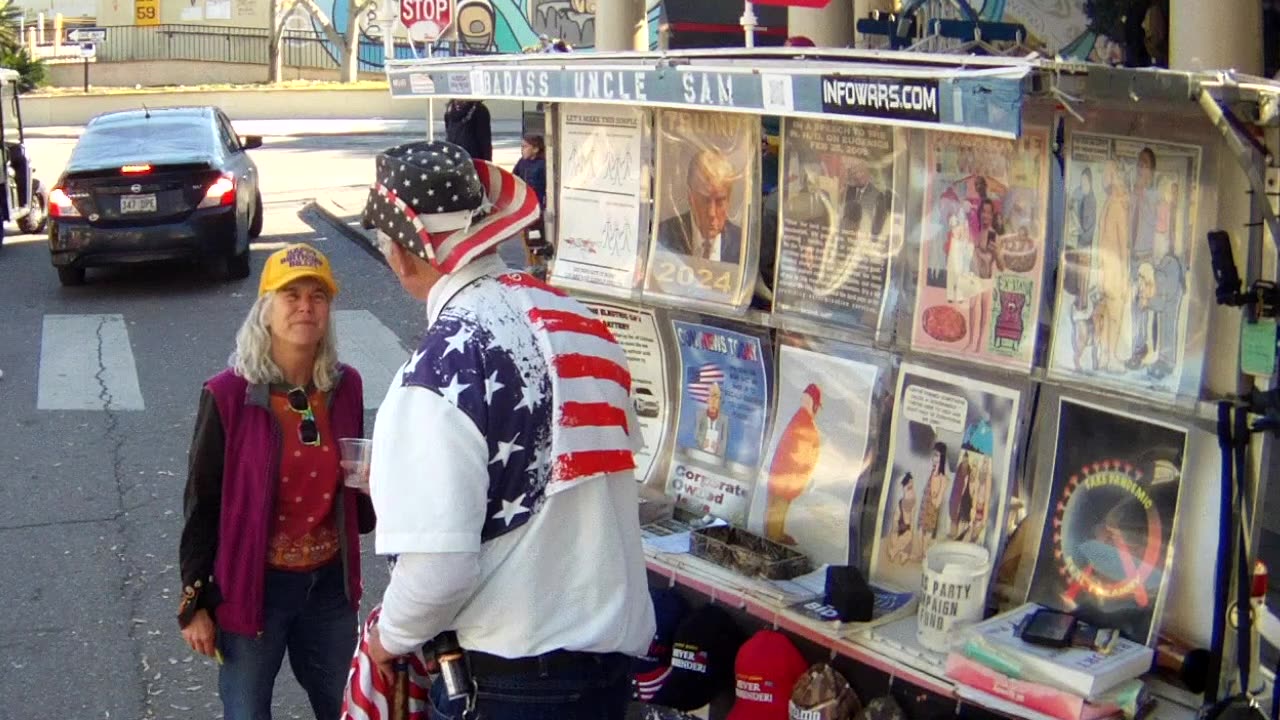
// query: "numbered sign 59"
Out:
[426,20]
[146,12]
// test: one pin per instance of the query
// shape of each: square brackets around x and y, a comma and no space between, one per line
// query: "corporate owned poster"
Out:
[1105,550]
[602,173]
[949,469]
[1123,299]
[636,330]
[704,234]
[818,457]
[982,247]
[724,404]
[837,216]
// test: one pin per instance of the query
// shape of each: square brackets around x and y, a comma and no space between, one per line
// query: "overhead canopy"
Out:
[984,98]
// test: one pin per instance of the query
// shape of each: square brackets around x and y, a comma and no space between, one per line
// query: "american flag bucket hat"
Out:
[445,207]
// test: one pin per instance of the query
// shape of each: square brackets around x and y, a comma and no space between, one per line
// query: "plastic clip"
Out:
[831,655]
[775,622]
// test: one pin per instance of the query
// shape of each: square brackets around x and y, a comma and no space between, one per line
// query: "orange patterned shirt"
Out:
[304,534]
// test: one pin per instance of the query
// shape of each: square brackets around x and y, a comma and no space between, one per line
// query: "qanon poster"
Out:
[724,406]
[1105,550]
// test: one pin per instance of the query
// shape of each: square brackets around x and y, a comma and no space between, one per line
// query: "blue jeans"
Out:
[598,689]
[307,614]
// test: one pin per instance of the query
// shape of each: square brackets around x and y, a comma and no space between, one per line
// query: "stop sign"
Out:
[426,20]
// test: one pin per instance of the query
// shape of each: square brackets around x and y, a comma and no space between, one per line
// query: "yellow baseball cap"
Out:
[294,263]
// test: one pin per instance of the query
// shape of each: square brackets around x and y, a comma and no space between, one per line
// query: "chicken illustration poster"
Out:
[818,456]
[1105,551]
[1125,284]
[950,457]
[724,405]
[982,247]
[839,230]
[636,330]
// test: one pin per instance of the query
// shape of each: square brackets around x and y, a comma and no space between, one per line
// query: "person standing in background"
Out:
[532,169]
[467,124]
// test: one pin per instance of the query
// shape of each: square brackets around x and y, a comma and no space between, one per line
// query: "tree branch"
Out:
[325,23]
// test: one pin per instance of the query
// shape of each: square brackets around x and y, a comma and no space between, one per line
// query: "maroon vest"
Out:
[251,461]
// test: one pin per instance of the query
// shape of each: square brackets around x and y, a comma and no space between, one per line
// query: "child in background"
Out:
[532,168]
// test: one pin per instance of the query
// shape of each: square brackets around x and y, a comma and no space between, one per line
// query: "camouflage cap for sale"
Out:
[823,694]
[882,708]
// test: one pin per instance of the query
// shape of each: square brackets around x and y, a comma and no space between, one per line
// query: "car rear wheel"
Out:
[71,276]
[255,225]
[37,216]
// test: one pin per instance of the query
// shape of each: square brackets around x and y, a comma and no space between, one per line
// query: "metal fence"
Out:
[300,49]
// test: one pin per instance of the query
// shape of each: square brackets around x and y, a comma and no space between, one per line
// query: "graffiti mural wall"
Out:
[1060,26]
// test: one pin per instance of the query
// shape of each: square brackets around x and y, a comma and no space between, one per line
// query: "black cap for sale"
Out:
[702,657]
[649,672]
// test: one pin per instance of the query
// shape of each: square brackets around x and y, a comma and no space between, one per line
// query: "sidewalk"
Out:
[505,129]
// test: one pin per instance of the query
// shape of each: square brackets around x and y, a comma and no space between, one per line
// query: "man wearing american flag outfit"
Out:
[502,469]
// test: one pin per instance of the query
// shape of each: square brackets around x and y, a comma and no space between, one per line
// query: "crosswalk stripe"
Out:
[86,363]
[372,349]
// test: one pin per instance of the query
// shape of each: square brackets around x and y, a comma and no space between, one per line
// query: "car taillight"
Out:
[60,205]
[221,192]
[135,169]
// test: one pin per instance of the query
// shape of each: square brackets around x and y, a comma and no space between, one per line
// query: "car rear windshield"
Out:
[143,140]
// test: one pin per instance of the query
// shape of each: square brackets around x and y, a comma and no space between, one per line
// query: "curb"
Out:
[330,214]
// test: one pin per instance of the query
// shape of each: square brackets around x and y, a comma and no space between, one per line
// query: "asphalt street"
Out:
[91,499]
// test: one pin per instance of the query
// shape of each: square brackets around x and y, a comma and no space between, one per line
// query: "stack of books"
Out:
[993,666]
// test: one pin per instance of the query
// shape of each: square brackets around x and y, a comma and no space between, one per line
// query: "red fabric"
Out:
[304,532]
[766,670]
[368,696]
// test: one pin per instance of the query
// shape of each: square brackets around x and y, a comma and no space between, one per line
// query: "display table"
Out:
[878,646]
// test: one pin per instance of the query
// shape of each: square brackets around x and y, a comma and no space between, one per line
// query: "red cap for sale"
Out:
[766,670]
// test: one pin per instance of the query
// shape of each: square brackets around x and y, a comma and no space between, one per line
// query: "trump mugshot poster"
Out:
[724,405]
[1106,546]
[949,469]
[819,455]
[704,229]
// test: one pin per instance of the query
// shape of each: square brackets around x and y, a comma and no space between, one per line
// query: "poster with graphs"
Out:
[600,213]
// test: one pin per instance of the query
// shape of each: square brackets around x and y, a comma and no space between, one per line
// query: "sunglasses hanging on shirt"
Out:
[308,432]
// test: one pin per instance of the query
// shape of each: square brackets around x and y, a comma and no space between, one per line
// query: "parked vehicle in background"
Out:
[149,185]
[24,200]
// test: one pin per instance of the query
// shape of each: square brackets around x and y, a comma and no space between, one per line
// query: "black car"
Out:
[162,184]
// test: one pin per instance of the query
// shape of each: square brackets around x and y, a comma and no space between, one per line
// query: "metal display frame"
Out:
[982,95]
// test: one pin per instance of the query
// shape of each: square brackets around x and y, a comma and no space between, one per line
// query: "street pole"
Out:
[274,69]
[429,46]
[749,21]
[86,75]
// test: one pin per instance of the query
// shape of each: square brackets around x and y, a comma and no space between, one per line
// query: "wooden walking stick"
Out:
[399,709]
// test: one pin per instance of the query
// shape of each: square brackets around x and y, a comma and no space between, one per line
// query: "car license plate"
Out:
[137,203]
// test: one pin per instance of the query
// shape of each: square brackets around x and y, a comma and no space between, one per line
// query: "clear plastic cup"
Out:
[356,454]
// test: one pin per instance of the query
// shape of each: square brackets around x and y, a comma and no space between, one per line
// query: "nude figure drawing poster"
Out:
[1123,283]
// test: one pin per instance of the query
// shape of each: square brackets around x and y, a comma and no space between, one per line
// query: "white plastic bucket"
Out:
[953,591]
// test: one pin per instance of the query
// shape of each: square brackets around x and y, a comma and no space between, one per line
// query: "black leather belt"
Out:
[557,661]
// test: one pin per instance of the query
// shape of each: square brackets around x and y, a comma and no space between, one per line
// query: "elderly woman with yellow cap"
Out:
[270,552]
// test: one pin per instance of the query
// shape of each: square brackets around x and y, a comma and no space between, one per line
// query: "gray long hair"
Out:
[252,361]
